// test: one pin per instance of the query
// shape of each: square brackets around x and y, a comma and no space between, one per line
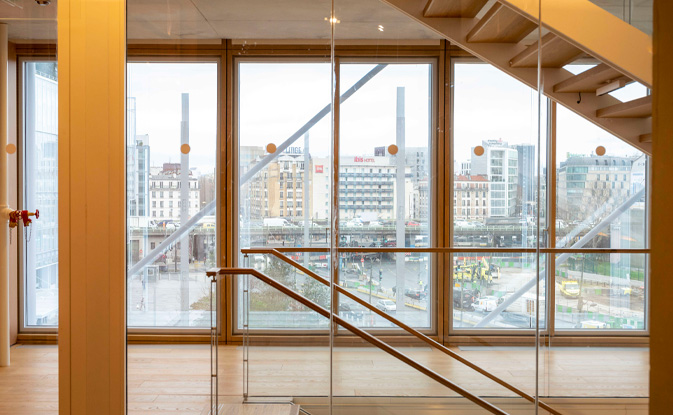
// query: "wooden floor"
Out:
[175,379]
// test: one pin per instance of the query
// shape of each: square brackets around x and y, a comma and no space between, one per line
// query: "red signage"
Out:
[318,169]
[364,160]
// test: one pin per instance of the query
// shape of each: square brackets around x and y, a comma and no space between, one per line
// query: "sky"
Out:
[276,99]
[158,89]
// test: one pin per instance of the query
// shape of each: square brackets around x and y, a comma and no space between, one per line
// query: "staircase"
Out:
[504,34]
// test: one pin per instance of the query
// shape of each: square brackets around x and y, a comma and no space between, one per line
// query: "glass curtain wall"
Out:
[496,198]
[451,179]
[599,215]
[171,191]
[284,140]
[40,184]
[174,146]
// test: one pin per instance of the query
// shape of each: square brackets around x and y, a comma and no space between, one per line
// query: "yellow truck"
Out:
[570,289]
[473,272]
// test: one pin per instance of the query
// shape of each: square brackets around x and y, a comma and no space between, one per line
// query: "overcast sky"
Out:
[277,99]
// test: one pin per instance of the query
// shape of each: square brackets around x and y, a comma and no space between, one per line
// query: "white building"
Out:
[320,187]
[165,188]
[367,187]
[500,164]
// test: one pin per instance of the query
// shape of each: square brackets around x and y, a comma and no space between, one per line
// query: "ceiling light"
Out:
[380,28]
[332,20]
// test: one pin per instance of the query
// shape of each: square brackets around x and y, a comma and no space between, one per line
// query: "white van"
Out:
[485,305]
[276,222]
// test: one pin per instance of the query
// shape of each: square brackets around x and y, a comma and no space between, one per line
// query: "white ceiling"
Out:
[260,19]
[268,19]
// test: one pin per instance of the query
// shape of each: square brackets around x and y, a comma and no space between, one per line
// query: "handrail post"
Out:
[214,344]
[246,331]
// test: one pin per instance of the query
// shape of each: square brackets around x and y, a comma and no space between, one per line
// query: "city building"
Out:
[165,188]
[367,188]
[526,180]
[207,189]
[278,190]
[416,158]
[421,201]
[500,163]
[320,188]
[465,168]
[589,183]
[471,198]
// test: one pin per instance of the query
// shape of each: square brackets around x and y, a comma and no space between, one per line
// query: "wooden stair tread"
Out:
[590,80]
[453,8]
[556,53]
[254,409]
[645,138]
[638,108]
[501,24]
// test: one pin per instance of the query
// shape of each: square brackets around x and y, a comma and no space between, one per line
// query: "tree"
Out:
[316,292]
[266,298]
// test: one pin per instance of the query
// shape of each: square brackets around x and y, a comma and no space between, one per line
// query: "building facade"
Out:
[471,197]
[500,165]
[589,183]
[165,185]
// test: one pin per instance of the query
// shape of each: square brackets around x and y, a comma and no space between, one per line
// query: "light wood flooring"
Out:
[175,378]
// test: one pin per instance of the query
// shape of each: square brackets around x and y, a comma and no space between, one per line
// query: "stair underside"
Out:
[491,39]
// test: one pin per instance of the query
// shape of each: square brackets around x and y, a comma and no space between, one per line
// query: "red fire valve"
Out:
[14,218]
[25,216]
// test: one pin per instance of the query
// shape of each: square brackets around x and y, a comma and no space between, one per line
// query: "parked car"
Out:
[415,294]
[498,300]
[386,305]
[464,298]
[390,244]
[351,310]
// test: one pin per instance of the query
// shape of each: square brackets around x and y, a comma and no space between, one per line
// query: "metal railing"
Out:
[215,274]
[433,343]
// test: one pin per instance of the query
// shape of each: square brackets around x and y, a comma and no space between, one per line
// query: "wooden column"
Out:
[91,66]
[661,284]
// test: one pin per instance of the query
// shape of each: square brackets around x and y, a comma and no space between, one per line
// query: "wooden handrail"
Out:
[415,332]
[362,334]
[447,250]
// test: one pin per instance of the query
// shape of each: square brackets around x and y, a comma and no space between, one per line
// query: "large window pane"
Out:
[284,179]
[41,192]
[171,188]
[600,291]
[601,200]
[384,185]
[495,147]
[482,282]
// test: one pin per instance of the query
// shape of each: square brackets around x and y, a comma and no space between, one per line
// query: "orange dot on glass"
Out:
[185,149]
[600,151]
[271,148]
[11,148]
[479,150]
[392,149]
